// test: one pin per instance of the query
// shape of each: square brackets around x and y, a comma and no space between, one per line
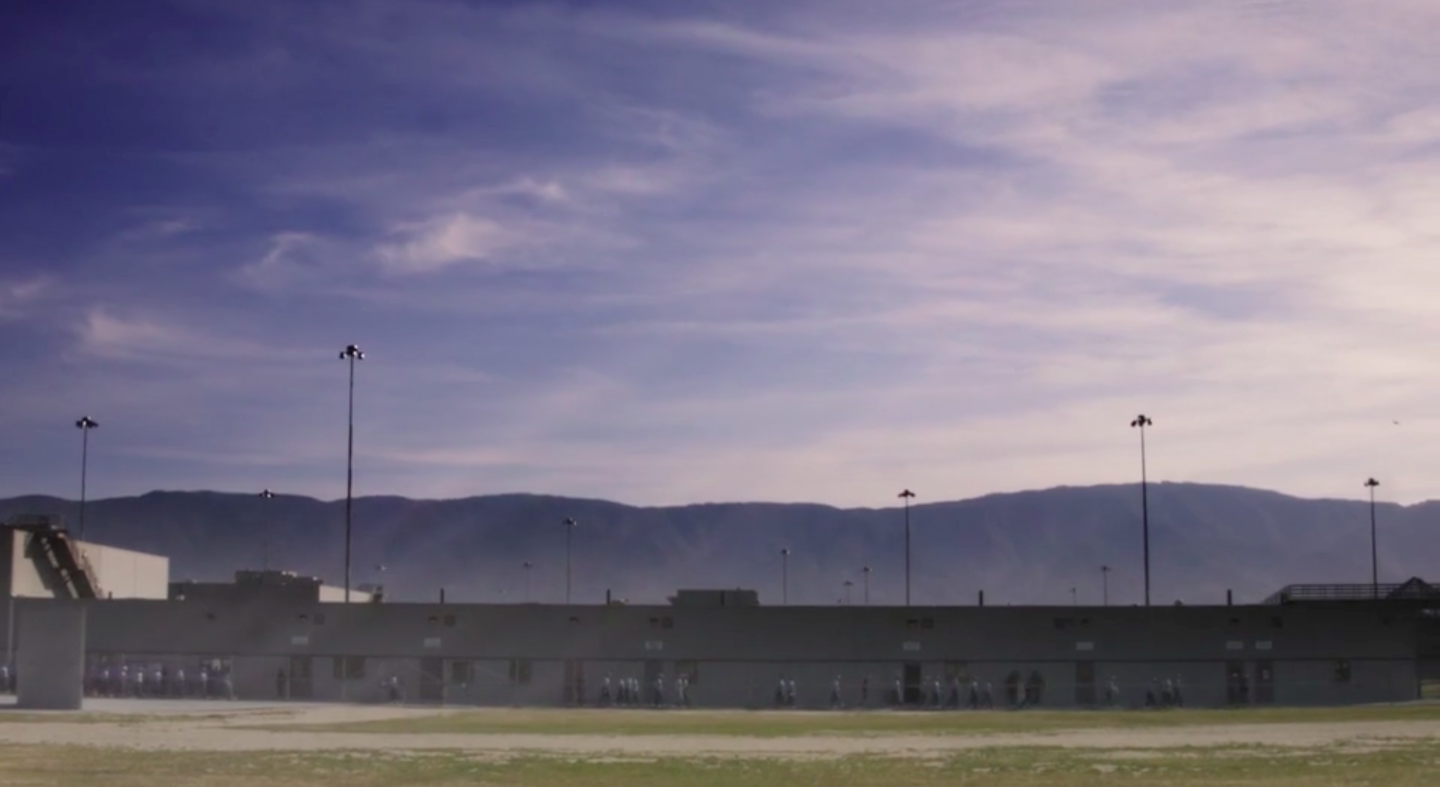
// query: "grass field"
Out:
[1394,746]
[769,724]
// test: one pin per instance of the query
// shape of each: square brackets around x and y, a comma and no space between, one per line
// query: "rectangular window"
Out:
[348,668]
[690,669]
[520,672]
[1342,671]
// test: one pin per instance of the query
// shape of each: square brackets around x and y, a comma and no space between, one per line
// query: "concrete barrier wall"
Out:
[50,659]
[740,653]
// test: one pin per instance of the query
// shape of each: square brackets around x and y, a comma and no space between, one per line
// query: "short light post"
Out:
[569,538]
[527,565]
[785,575]
[865,573]
[1105,585]
[85,424]
[265,497]
[907,495]
[1374,550]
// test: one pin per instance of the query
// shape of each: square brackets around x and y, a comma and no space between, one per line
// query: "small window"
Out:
[690,670]
[1234,621]
[433,619]
[912,623]
[654,621]
[1084,621]
[927,623]
[1063,623]
[304,618]
[1342,671]
[574,618]
[520,672]
[461,672]
[667,623]
[348,668]
[449,620]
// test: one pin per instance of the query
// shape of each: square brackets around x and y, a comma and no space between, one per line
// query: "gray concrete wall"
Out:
[742,652]
[50,657]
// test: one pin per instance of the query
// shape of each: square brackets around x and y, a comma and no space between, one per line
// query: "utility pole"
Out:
[906,496]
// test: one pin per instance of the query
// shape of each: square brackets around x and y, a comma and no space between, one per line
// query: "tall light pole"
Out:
[1140,422]
[352,354]
[569,534]
[265,496]
[1374,553]
[785,575]
[1074,597]
[1105,586]
[847,584]
[85,424]
[906,496]
[527,565]
[865,572]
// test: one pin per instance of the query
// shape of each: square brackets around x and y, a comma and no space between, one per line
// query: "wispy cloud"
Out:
[800,252]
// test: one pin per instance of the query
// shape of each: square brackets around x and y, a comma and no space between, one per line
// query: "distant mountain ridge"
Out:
[1021,548]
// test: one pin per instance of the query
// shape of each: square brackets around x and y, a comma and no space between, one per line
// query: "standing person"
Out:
[139,680]
[973,701]
[679,690]
[1167,694]
[835,693]
[865,691]
[5,678]
[987,696]
[180,685]
[605,692]
[790,693]
[204,682]
[898,693]
[780,693]
[280,692]
[659,689]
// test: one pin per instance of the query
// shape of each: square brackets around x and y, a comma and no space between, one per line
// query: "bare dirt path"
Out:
[219,727]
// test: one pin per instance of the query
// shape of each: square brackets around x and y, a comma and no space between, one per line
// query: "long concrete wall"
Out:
[469,653]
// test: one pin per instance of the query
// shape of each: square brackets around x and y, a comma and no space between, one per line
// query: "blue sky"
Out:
[676,252]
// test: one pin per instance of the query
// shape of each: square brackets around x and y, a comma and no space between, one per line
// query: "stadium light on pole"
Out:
[527,565]
[1140,422]
[785,575]
[1074,597]
[865,572]
[569,537]
[85,424]
[351,353]
[1374,552]
[906,496]
[847,584]
[265,496]
[1105,586]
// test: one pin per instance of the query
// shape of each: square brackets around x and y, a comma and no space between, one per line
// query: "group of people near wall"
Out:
[210,679]
[627,692]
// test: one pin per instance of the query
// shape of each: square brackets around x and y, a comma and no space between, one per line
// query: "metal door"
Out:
[1264,682]
[1085,684]
[300,678]
[914,692]
[432,679]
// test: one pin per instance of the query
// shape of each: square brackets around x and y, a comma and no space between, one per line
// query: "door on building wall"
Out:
[654,668]
[573,690]
[1085,684]
[914,692]
[432,679]
[1264,682]
[1236,684]
[299,678]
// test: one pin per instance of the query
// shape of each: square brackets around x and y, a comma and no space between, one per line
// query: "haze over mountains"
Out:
[1022,548]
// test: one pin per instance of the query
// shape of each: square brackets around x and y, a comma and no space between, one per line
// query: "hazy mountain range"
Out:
[1027,547]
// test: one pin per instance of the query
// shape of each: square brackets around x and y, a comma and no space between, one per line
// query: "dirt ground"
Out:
[189,726]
